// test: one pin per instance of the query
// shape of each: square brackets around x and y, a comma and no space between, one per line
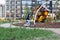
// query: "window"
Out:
[17,11]
[7,3]
[12,2]
[38,0]
[29,2]
[59,2]
[12,11]
[18,7]
[33,2]
[23,2]
[23,7]
[53,2]
[7,7]
[23,11]
[17,2]
[12,7]
[29,7]
[7,0]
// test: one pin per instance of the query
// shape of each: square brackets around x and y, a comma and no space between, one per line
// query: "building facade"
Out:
[2,10]
[13,8]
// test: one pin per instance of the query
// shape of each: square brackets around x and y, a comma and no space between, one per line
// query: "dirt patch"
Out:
[48,25]
[42,25]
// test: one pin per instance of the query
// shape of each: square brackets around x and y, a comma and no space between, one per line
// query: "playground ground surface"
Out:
[41,25]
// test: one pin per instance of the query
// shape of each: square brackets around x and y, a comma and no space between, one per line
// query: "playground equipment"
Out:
[39,17]
[43,14]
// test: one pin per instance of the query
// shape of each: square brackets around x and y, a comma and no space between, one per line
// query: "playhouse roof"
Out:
[44,8]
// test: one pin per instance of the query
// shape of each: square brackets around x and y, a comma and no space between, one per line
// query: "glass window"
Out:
[12,2]
[53,2]
[59,2]
[17,2]
[33,2]
[7,3]
[18,11]
[23,11]
[23,7]
[48,6]
[38,0]
[17,7]
[12,7]
[29,7]
[29,2]
[43,2]
[7,0]
[12,11]
[48,2]
[23,2]
[7,7]
[26,0]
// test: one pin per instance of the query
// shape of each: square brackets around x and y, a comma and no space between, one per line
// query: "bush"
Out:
[3,20]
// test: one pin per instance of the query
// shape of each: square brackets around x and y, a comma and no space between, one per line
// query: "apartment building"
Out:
[2,10]
[13,8]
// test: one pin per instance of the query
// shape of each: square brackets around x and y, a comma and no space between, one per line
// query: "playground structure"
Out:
[42,14]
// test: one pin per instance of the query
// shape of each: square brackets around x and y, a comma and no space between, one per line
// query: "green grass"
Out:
[25,34]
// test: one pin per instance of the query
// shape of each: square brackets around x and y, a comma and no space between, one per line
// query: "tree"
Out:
[27,10]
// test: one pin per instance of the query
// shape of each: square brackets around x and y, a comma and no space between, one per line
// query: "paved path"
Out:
[7,25]
[56,30]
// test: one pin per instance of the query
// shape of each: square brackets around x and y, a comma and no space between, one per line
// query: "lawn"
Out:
[27,34]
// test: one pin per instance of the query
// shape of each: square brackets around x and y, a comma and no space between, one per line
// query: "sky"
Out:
[2,1]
